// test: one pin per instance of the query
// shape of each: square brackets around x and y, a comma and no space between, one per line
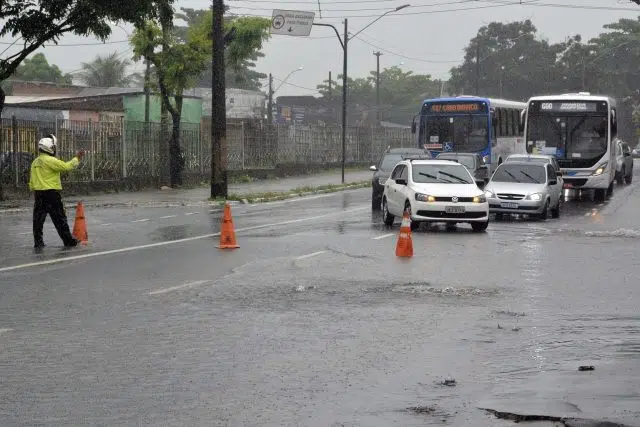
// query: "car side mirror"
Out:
[553,182]
[401,181]
[627,154]
[373,168]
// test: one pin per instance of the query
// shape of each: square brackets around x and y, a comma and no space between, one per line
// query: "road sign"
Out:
[291,22]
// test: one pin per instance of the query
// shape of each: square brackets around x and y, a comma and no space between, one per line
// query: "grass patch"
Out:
[296,192]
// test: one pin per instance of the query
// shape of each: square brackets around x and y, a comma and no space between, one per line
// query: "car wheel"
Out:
[629,178]
[414,224]
[555,212]
[610,190]
[375,201]
[545,212]
[620,177]
[479,227]
[386,216]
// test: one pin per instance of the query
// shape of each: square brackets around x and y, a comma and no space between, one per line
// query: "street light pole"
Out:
[344,41]
[344,96]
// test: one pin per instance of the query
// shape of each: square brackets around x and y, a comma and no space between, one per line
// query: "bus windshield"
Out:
[569,137]
[465,133]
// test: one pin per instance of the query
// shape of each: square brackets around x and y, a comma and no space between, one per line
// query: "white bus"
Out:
[580,130]
[468,124]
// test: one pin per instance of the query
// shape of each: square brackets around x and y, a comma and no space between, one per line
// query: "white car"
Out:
[434,191]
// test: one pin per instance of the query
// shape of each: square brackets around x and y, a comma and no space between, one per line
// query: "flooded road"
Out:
[313,321]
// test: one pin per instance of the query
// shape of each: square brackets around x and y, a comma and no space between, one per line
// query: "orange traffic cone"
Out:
[227,234]
[80,225]
[404,247]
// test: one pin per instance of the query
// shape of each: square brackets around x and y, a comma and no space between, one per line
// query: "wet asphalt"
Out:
[313,321]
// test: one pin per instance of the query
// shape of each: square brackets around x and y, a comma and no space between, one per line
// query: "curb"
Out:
[287,196]
[71,203]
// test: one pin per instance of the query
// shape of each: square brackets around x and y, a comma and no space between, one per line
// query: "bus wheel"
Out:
[600,195]
[610,190]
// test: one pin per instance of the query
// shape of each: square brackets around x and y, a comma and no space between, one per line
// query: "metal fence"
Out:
[129,150]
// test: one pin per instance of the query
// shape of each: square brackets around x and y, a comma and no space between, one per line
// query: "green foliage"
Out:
[108,71]
[37,68]
[606,64]
[36,23]
[400,92]
[241,53]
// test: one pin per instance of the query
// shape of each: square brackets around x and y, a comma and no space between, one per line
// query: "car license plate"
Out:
[509,205]
[568,186]
[454,209]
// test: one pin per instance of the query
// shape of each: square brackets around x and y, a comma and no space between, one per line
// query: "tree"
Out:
[37,68]
[181,58]
[400,93]
[35,23]
[239,73]
[513,62]
[108,71]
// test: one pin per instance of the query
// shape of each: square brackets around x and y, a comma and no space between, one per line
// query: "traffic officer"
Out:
[44,181]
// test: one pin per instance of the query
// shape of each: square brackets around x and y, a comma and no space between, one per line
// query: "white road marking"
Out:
[3,330]
[168,216]
[141,220]
[191,213]
[173,242]
[175,288]
[384,236]
[25,233]
[311,255]
[105,224]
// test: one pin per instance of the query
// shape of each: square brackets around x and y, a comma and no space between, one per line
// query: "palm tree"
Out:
[109,71]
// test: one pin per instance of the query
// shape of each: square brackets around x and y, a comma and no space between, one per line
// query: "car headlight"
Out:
[485,159]
[601,169]
[490,194]
[535,197]
[480,199]
[424,198]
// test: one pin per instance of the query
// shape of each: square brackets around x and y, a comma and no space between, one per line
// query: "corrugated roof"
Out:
[27,98]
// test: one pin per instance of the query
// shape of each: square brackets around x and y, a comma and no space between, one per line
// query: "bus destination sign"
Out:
[455,107]
[570,106]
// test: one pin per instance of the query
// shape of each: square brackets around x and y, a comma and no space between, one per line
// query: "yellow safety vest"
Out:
[46,170]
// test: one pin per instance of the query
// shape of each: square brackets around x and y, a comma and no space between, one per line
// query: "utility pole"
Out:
[270,102]
[377,54]
[477,68]
[218,107]
[344,95]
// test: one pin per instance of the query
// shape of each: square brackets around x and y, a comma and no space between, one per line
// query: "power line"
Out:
[75,44]
[495,4]
[295,85]
[369,9]
[401,55]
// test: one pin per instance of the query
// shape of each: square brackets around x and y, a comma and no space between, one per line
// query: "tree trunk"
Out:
[2,97]
[176,159]
[163,146]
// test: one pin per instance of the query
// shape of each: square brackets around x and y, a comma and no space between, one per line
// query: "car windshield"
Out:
[533,173]
[456,133]
[467,161]
[392,159]
[569,137]
[441,174]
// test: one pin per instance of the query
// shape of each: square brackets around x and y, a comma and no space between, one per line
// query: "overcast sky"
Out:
[427,37]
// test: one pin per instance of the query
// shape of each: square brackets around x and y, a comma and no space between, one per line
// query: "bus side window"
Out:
[503,122]
[515,117]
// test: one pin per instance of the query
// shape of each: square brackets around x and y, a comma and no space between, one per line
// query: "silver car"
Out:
[524,188]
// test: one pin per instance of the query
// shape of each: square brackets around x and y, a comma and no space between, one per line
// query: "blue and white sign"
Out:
[448,146]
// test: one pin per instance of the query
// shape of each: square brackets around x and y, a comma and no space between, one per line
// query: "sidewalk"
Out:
[201,195]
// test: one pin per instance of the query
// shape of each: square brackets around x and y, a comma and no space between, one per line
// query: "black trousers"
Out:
[50,202]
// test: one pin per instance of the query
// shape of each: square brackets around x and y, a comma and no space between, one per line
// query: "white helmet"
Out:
[48,144]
